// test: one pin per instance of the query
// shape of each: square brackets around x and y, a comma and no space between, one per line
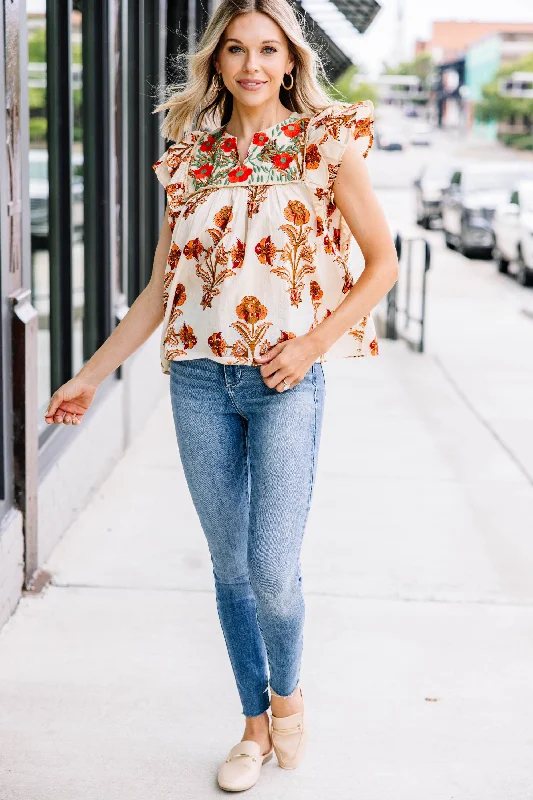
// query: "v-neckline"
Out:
[224,134]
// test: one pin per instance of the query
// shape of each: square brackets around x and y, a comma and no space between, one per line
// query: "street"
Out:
[417,565]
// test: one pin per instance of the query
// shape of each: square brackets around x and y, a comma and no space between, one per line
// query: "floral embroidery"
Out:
[211,259]
[284,244]
[297,253]
[239,174]
[203,173]
[250,311]
[256,196]
[260,138]
[179,298]
[217,344]
[229,145]
[293,129]
[358,333]
[196,200]
[276,157]
[208,144]
[283,337]
[172,262]
[316,296]
[282,161]
[312,157]
[184,337]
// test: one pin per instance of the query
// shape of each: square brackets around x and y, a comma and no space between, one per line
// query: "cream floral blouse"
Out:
[259,250]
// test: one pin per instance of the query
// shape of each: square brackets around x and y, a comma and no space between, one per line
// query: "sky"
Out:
[380,42]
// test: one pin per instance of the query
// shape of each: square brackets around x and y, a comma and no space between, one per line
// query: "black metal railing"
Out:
[406,301]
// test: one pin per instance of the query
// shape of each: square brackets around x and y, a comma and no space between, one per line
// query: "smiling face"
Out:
[253,57]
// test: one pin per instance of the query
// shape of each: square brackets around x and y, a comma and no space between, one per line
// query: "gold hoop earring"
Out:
[292,80]
[219,81]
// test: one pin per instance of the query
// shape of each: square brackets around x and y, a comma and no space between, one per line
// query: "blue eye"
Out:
[268,47]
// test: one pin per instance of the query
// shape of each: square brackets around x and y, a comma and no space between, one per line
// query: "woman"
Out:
[252,267]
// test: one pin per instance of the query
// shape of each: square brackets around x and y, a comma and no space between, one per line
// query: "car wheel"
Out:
[525,275]
[501,262]
[463,249]
[448,240]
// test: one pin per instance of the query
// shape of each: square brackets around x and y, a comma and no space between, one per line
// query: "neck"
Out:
[245,121]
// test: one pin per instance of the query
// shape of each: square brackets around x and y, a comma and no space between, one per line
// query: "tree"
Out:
[494,107]
[360,91]
[421,66]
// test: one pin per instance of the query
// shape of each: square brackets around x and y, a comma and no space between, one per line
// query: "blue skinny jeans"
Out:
[249,455]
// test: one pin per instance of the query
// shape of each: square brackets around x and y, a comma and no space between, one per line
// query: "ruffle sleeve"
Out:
[328,134]
[171,169]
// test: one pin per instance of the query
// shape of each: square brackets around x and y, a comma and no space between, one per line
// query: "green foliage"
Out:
[524,64]
[342,84]
[76,53]
[520,141]
[421,66]
[37,99]
[38,130]
[37,46]
[494,107]
[362,91]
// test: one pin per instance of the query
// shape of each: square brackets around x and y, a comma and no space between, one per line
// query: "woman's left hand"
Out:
[289,360]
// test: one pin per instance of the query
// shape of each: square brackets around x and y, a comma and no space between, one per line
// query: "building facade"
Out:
[80,214]
[483,59]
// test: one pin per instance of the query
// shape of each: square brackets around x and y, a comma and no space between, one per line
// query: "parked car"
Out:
[433,179]
[39,190]
[469,202]
[513,233]
[388,138]
[422,134]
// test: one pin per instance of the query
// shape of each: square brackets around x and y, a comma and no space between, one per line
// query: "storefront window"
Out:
[78,248]
[39,192]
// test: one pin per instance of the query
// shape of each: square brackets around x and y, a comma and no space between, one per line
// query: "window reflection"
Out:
[78,249]
[38,190]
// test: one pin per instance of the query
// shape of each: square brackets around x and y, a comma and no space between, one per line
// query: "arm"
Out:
[365,218]
[369,226]
[142,319]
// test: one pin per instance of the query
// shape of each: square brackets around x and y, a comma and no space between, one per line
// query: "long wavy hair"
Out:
[200,103]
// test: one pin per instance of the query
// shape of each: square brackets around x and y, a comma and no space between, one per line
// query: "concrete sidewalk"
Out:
[417,564]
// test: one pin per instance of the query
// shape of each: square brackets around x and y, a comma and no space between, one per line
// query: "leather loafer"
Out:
[242,767]
[289,737]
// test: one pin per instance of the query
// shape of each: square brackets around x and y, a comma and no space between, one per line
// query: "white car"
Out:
[422,134]
[513,233]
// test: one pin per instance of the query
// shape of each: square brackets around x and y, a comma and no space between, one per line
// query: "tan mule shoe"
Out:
[242,767]
[289,737]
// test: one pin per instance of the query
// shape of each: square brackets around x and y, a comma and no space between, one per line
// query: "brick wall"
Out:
[450,39]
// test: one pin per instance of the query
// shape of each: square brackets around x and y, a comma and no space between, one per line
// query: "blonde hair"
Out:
[200,101]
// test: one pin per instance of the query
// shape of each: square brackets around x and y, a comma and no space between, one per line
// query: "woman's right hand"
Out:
[69,404]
